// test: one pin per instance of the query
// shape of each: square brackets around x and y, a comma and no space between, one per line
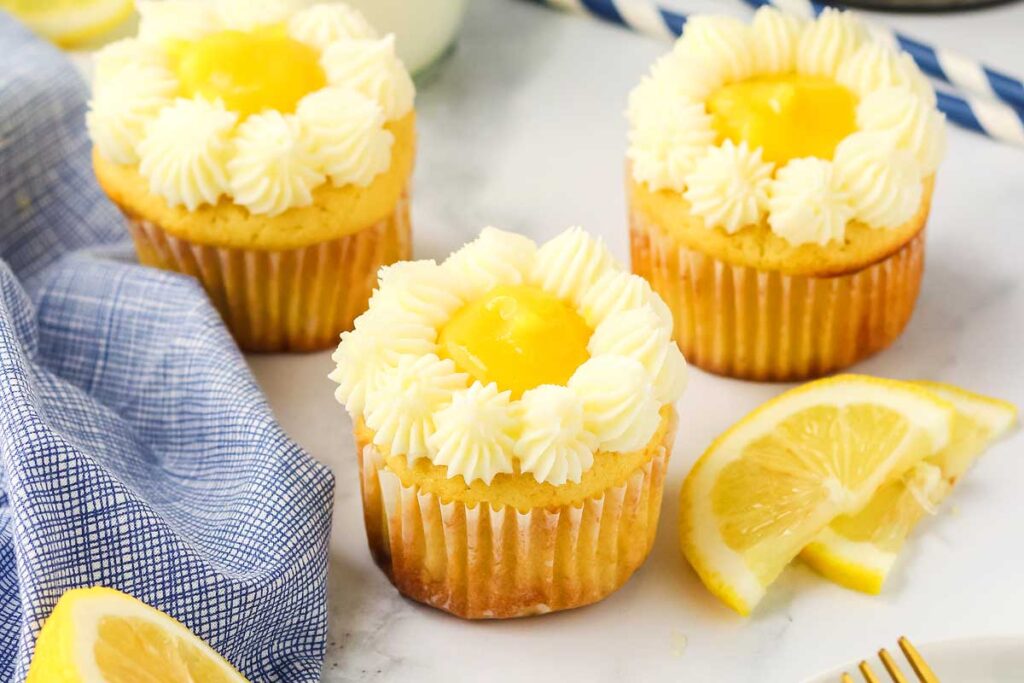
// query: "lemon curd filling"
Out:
[518,337]
[250,71]
[789,116]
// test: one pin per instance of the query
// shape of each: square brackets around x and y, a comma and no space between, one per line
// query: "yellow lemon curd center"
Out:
[789,116]
[518,337]
[249,71]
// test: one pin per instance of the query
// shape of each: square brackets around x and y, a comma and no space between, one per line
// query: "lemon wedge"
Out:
[100,635]
[770,485]
[71,22]
[858,551]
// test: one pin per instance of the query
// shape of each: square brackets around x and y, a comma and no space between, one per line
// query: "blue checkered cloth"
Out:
[137,451]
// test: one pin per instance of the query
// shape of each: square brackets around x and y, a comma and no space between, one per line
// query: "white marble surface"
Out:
[523,130]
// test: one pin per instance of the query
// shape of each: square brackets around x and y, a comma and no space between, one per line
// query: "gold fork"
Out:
[921,668]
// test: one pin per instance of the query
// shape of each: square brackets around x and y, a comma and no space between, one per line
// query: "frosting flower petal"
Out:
[569,264]
[122,108]
[494,258]
[345,135]
[614,291]
[401,410]
[375,346]
[325,23]
[246,15]
[419,288]
[618,405]
[554,444]
[640,334]
[199,135]
[918,127]
[875,66]
[474,436]
[775,35]
[882,180]
[728,188]
[272,169]
[117,56]
[164,20]
[668,136]
[828,42]
[722,43]
[373,68]
[807,204]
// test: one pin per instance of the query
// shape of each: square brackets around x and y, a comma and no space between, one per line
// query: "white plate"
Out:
[976,660]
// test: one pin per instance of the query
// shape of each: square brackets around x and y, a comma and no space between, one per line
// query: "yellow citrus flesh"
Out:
[858,551]
[71,22]
[775,480]
[518,337]
[250,72]
[102,634]
[788,116]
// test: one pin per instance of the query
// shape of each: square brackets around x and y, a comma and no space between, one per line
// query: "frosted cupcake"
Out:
[779,182]
[265,150]
[514,419]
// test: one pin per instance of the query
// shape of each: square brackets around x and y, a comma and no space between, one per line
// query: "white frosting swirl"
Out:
[167,20]
[570,264]
[616,290]
[401,410]
[668,136]
[474,436]
[728,187]
[828,42]
[185,152]
[344,132]
[684,73]
[272,170]
[115,57]
[554,445]
[776,35]
[918,127]
[376,345]
[373,68]
[246,15]
[724,44]
[494,258]
[642,335]
[875,66]
[322,24]
[882,181]
[122,108]
[420,288]
[619,407]
[806,204]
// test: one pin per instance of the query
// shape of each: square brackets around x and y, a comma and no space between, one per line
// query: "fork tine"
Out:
[867,673]
[892,667]
[921,668]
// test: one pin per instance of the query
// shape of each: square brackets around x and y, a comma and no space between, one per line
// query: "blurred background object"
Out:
[930,5]
[73,23]
[425,29]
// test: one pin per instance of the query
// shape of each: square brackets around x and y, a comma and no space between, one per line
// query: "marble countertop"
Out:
[523,129]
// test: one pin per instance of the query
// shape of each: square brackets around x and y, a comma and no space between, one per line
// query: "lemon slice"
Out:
[769,485]
[858,551]
[70,22]
[100,635]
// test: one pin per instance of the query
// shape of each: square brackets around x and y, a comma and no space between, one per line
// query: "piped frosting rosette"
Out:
[393,373]
[194,149]
[875,174]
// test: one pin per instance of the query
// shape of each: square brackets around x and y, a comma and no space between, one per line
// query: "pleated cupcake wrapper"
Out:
[481,562]
[288,300]
[765,325]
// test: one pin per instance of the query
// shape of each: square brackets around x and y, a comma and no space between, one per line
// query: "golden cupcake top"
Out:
[255,101]
[808,127]
[511,359]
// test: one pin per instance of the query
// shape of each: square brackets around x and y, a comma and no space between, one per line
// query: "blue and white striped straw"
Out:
[994,119]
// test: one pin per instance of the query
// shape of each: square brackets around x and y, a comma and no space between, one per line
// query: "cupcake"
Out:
[265,150]
[779,180]
[513,411]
